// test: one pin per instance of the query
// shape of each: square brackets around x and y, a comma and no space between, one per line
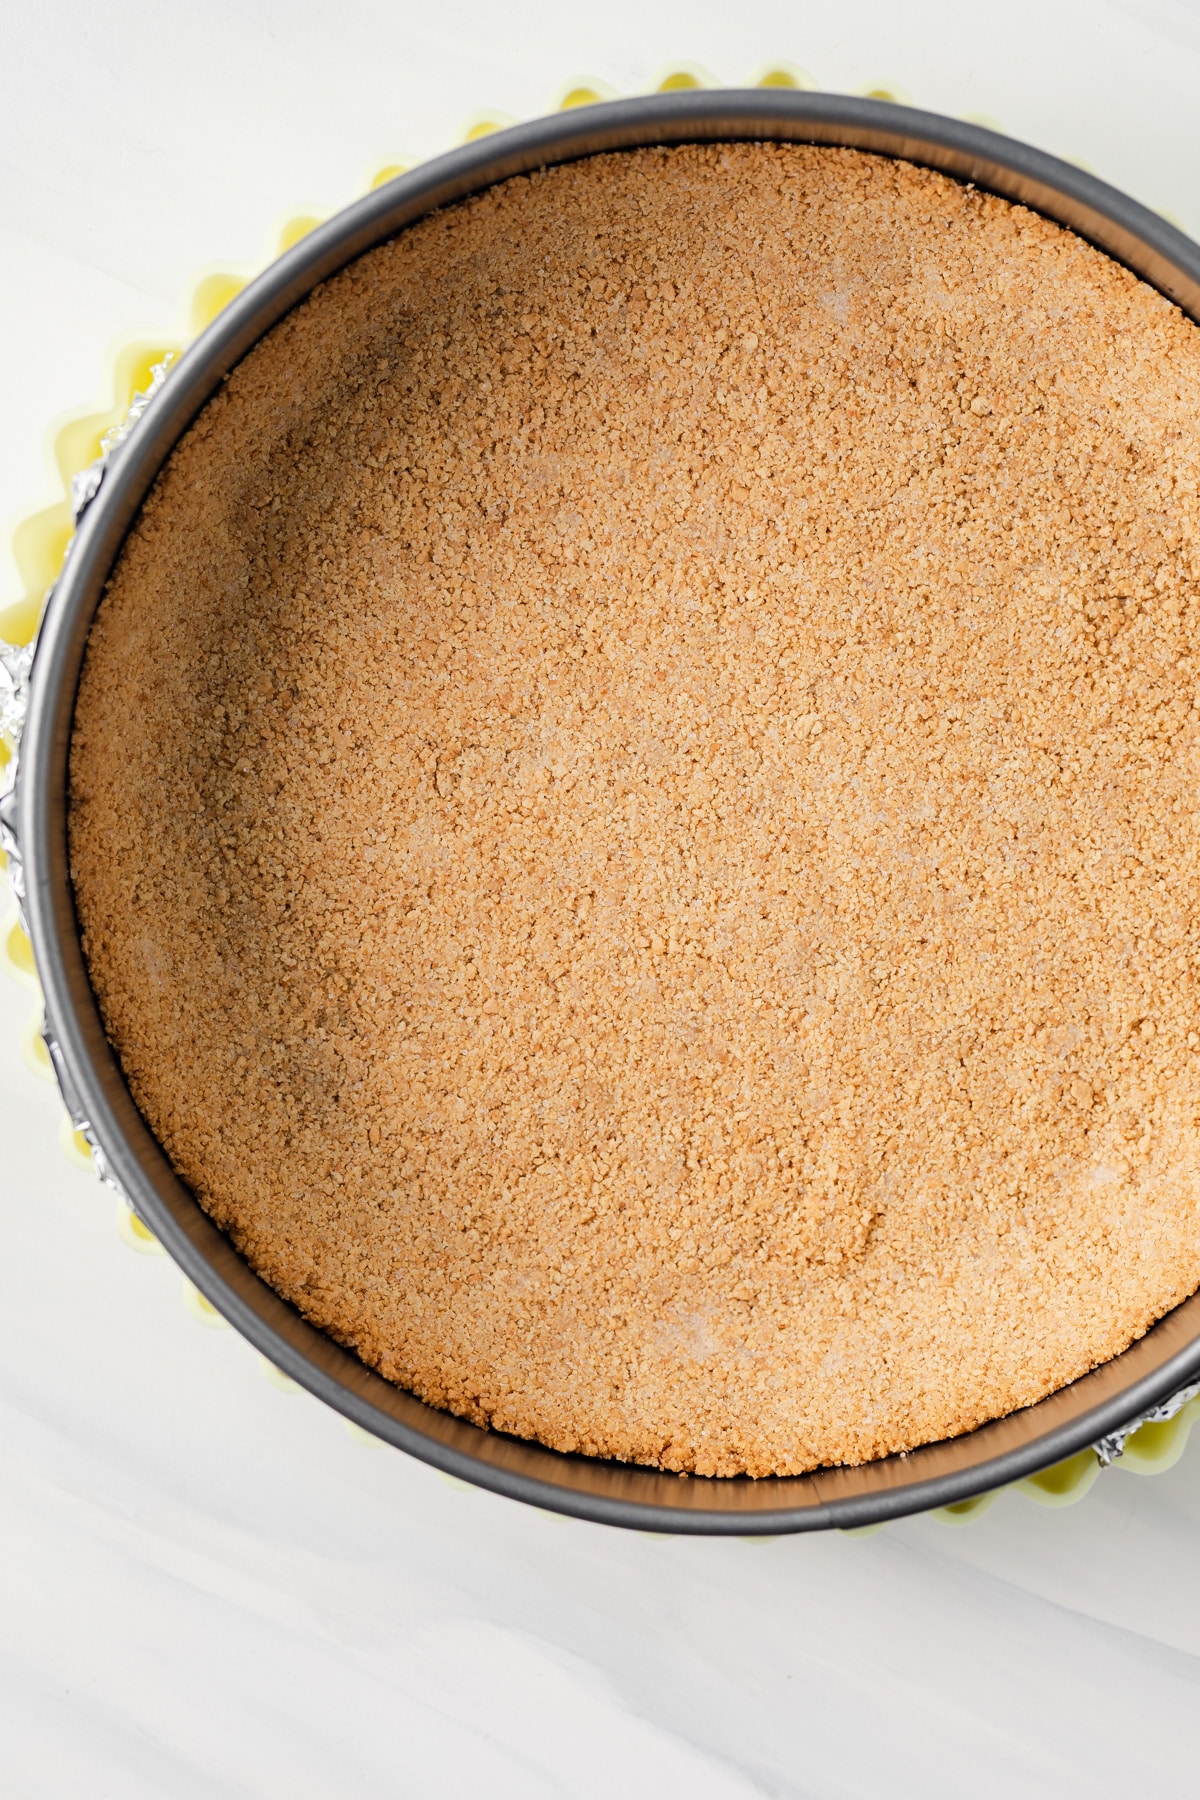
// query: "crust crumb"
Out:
[633,807]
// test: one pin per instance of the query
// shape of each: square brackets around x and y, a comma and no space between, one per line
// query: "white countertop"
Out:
[210,1588]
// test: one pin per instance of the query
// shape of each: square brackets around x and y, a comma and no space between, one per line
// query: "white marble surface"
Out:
[209,1588]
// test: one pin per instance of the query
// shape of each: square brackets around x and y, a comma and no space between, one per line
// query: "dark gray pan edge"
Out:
[998,1453]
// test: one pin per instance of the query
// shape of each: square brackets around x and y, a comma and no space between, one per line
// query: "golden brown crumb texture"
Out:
[634,807]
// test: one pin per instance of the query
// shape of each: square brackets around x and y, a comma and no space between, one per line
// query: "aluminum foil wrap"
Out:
[16,673]
[16,663]
[1109,1448]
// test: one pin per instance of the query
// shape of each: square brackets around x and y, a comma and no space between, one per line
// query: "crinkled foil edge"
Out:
[16,674]
[1109,1448]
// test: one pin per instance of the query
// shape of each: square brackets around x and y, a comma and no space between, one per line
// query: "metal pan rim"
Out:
[935,1475]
